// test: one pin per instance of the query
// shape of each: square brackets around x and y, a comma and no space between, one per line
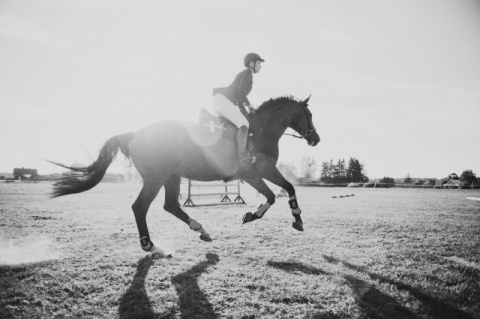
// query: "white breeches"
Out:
[224,107]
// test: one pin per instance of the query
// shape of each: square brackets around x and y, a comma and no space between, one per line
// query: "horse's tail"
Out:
[93,174]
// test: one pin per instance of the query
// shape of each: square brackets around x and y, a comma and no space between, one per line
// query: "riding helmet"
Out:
[252,57]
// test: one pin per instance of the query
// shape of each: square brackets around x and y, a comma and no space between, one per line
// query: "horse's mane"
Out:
[276,101]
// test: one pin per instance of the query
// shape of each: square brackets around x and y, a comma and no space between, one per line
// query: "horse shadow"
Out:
[373,302]
[193,303]
[135,302]
[435,307]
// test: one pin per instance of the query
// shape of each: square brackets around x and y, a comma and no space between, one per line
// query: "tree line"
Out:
[340,172]
[354,171]
[468,177]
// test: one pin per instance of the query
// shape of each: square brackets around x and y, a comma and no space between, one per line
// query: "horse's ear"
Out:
[306,101]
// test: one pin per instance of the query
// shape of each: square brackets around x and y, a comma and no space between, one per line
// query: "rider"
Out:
[231,103]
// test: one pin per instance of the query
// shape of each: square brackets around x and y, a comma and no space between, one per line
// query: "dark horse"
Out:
[166,151]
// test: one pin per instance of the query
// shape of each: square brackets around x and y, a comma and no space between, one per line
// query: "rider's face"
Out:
[258,66]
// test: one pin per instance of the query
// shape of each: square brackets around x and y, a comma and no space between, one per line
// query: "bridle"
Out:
[307,133]
[310,130]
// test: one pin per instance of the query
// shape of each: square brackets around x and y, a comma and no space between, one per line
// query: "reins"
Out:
[296,136]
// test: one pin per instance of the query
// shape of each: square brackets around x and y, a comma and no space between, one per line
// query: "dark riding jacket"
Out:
[239,89]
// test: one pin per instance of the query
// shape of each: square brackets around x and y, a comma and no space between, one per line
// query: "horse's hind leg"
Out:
[150,189]
[172,191]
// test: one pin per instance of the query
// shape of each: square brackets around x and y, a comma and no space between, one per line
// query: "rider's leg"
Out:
[242,136]
[227,109]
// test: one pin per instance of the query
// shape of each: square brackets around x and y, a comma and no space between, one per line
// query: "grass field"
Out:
[383,253]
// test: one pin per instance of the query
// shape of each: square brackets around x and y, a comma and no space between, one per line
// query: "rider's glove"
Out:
[251,110]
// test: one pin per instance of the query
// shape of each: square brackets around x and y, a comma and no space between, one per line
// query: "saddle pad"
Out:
[216,125]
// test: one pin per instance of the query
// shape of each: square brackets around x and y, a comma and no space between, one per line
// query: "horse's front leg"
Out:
[273,175]
[262,188]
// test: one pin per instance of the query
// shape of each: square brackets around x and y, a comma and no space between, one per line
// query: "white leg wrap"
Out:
[196,226]
[262,210]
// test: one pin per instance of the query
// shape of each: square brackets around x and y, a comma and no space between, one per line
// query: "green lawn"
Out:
[383,253]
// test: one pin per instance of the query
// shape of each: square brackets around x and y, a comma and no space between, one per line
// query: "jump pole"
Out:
[225,198]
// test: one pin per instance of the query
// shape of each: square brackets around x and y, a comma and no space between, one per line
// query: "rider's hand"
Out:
[251,110]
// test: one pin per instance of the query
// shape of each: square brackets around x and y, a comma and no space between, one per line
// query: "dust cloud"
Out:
[26,250]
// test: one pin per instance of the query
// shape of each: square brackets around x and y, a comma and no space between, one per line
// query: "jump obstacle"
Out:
[225,199]
[342,196]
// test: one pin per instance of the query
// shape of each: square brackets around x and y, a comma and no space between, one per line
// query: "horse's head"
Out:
[302,123]
[285,112]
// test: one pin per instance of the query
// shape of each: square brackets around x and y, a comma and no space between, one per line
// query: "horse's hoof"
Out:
[298,225]
[159,253]
[206,237]
[247,217]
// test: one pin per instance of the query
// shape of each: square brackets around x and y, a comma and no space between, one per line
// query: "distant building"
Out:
[24,173]
[453,183]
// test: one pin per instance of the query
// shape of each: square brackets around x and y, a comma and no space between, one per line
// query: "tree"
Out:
[355,171]
[387,180]
[340,172]
[408,179]
[326,175]
[468,177]
[431,182]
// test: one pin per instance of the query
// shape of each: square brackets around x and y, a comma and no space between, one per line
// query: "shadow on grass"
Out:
[374,303]
[135,303]
[293,267]
[192,301]
[434,307]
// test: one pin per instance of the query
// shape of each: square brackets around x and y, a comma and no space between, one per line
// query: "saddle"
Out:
[223,127]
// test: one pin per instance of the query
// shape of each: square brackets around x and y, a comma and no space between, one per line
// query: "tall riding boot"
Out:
[245,158]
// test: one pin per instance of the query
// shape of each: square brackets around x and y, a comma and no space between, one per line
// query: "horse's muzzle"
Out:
[313,139]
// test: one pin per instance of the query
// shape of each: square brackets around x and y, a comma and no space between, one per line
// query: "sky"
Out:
[395,84]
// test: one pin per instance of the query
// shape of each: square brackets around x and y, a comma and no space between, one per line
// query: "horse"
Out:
[166,151]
